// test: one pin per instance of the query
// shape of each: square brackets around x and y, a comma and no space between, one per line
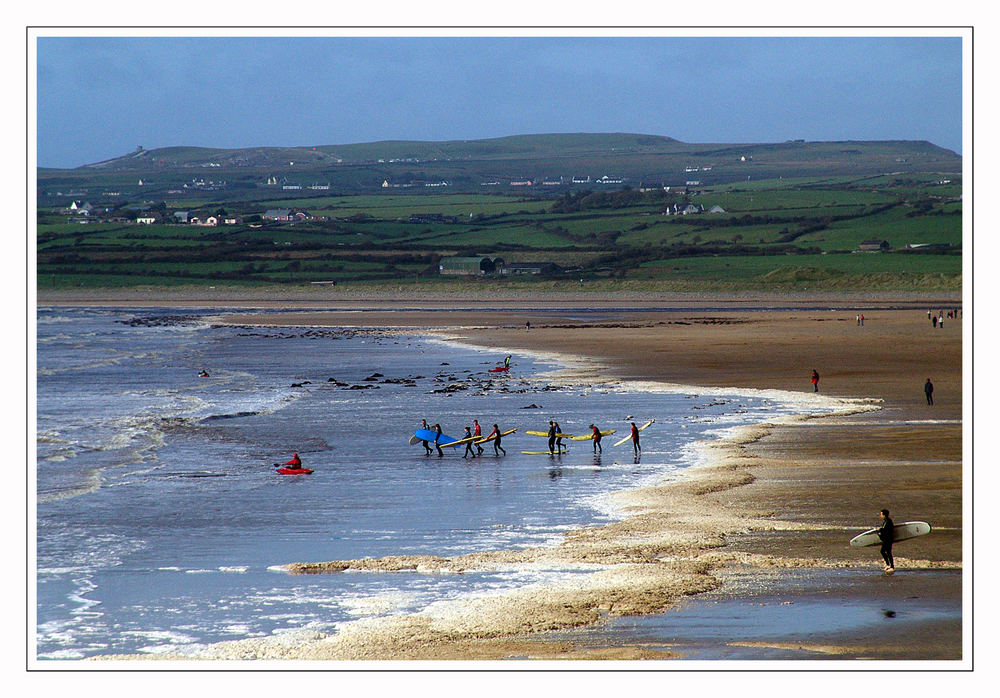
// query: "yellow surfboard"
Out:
[459,442]
[588,437]
[490,438]
[619,443]
[545,433]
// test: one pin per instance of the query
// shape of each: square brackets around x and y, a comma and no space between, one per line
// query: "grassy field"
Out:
[779,233]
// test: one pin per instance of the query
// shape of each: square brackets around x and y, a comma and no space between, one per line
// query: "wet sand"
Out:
[770,503]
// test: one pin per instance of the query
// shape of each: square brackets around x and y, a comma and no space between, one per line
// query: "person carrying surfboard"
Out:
[468,444]
[559,438]
[885,534]
[636,448]
[427,447]
[552,436]
[477,431]
[437,440]
[494,436]
[596,436]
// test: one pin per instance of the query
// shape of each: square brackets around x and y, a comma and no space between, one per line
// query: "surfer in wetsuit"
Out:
[477,431]
[636,448]
[437,440]
[552,436]
[596,436]
[559,443]
[495,436]
[427,448]
[468,444]
[885,534]
[506,362]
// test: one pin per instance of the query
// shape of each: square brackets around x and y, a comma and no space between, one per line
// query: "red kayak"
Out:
[293,471]
[499,369]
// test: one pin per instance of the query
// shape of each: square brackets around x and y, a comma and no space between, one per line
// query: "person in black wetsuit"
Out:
[885,534]
[552,436]
[495,436]
[468,444]
[424,425]
[437,440]
[929,391]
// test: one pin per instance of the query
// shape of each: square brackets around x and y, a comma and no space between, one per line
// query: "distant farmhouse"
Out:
[874,246]
[470,266]
[285,215]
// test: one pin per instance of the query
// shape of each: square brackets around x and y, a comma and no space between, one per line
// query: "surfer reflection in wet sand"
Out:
[885,534]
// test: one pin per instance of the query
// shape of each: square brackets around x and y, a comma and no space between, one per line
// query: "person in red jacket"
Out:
[495,437]
[596,436]
[295,462]
[815,381]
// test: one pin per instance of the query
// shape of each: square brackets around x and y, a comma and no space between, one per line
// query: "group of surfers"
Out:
[473,439]
[472,449]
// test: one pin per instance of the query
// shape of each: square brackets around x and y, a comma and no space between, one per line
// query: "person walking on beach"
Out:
[477,431]
[495,435]
[885,534]
[468,444]
[437,440]
[636,448]
[862,320]
[596,436]
[815,381]
[425,426]
[941,320]
[929,391]
[552,436]
[934,322]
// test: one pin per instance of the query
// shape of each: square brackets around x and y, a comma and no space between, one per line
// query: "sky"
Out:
[101,97]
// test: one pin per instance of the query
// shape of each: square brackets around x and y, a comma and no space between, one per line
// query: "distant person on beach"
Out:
[427,447]
[934,321]
[636,448]
[815,381]
[552,436]
[596,436]
[862,320]
[929,391]
[885,534]
[495,435]
[468,444]
[477,431]
[941,320]
[437,440]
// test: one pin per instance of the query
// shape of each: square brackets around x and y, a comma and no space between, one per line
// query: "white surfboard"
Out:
[629,437]
[903,531]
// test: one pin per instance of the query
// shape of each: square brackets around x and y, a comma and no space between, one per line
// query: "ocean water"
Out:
[160,522]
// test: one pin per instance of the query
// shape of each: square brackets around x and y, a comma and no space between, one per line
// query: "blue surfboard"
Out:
[429,435]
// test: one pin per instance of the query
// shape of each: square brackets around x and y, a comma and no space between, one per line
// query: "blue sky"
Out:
[100,97]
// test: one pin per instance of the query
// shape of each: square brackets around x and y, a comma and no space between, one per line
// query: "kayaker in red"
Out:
[295,462]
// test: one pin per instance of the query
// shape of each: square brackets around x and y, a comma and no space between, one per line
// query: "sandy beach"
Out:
[768,501]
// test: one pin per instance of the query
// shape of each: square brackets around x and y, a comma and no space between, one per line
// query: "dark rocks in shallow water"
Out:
[335,381]
[451,388]
[362,387]
[299,385]
[532,406]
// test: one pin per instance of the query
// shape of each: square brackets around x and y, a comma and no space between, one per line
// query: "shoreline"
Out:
[746,464]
